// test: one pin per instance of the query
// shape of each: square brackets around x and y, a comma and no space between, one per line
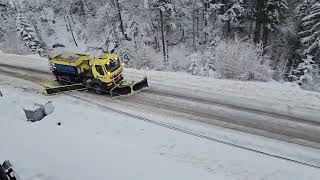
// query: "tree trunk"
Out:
[71,31]
[260,17]
[265,35]
[82,4]
[197,22]
[251,28]
[182,36]
[121,21]
[167,51]
[72,18]
[206,7]
[257,32]
[163,40]
[194,32]
[227,33]
[154,29]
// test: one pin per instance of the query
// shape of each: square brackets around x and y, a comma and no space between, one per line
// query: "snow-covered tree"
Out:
[7,15]
[269,14]
[194,68]
[307,74]
[166,11]
[28,34]
[241,60]
[311,32]
[233,14]
[9,41]
[275,12]
[304,8]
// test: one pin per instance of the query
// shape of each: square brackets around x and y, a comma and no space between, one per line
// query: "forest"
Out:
[247,40]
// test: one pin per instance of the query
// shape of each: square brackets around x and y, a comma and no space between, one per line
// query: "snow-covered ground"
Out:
[92,143]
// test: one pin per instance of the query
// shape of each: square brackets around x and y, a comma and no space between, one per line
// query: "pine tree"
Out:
[306,71]
[304,8]
[28,35]
[194,68]
[310,36]
[233,14]
[275,15]
[269,14]
[275,10]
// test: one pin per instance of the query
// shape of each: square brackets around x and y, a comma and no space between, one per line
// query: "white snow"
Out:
[92,143]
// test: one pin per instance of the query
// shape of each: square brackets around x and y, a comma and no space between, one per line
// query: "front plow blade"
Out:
[121,90]
[129,88]
[140,85]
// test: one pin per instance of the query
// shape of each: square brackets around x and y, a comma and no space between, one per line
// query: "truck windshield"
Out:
[113,65]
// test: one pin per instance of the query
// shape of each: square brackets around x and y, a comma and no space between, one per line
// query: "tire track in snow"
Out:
[193,99]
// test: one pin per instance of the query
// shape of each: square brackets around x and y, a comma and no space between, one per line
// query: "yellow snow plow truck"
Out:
[103,75]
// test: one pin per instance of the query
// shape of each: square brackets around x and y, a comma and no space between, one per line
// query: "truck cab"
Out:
[107,68]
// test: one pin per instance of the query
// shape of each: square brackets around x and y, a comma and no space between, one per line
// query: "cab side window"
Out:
[99,70]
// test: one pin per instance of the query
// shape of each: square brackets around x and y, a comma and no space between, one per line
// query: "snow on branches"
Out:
[310,36]
[307,74]
[28,34]
[240,60]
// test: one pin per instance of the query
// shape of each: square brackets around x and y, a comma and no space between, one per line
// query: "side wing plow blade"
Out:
[59,89]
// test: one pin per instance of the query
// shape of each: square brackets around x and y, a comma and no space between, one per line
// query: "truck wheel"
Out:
[97,89]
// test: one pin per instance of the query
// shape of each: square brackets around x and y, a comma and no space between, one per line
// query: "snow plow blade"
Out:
[129,88]
[59,89]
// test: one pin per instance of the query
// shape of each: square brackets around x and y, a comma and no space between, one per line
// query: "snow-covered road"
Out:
[280,117]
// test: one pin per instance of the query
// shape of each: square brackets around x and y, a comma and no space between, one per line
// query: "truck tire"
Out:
[97,89]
